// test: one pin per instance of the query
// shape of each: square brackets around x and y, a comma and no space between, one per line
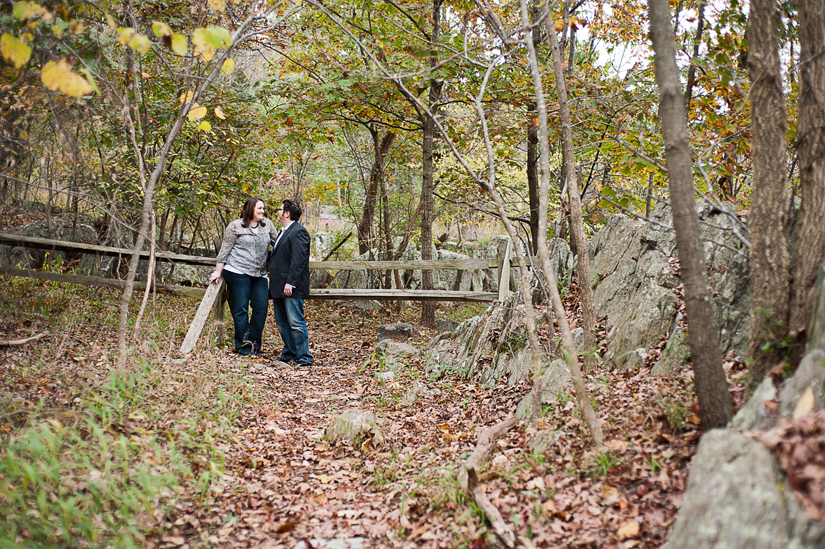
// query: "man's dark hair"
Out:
[293,208]
[248,211]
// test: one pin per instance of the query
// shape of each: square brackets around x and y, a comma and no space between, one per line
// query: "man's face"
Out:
[283,216]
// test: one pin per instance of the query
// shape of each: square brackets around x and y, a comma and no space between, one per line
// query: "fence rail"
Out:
[214,296]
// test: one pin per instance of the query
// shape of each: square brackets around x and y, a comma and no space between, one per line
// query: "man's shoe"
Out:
[304,364]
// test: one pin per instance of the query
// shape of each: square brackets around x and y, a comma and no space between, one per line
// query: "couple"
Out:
[242,263]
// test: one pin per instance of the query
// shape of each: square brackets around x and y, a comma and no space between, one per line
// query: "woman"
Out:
[242,262]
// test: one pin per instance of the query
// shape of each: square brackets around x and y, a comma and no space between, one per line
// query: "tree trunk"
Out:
[576,217]
[711,386]
[568,342]
[533,185]
[376,178]
[769,203]
[809,251]
[691,75]
[532,171]
[427,172]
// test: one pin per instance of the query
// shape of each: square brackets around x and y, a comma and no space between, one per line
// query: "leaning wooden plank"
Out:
[407,295]
[184,291]
[79,247]
[195,329]
[441,264]
[17,342]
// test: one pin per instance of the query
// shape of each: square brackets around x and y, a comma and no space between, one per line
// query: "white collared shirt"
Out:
[281,234]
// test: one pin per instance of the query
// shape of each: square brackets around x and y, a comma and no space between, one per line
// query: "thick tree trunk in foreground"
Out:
[769,204]
[711,386]
[809,251]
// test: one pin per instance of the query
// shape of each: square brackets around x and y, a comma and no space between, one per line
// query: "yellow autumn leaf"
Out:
[111,21]
[179,44]
[15,50]
[219,113]
[75,27]
[90,79]
[558,25]
[23,135]
[805,404]
[26,37]
[227,67]
[161,29]
[196,112]
[218,5]
[140,43]
[58,28]
[59,77]
[204,126]
[125,35]
[30,10]
[186,97]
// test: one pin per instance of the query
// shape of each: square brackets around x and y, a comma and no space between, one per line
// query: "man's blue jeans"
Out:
[246,291]
[289,316]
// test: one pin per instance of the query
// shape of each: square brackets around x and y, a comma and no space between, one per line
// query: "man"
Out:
[289,284]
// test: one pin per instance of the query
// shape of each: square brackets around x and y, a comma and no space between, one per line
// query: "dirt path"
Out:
[286,486]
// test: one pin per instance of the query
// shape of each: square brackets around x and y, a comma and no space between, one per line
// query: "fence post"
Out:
[218,315]
[504,253]
[195,329]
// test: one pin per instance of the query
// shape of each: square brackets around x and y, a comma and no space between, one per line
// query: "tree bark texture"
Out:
[576,216]
[769,258]
[809,251]
[427,171]
[711,386]
[376,182]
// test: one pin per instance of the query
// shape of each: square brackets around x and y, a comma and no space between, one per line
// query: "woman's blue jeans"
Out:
[245,293]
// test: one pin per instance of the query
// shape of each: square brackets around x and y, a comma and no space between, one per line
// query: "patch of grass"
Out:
[602,463]
[98,464]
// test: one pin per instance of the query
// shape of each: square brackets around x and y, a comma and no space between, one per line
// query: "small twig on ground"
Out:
[468,479]
[18,342]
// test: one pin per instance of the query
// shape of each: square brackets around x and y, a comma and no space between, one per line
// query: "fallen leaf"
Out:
[629,529]
[805,404]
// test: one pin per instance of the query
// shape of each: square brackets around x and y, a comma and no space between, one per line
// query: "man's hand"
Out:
[288,290]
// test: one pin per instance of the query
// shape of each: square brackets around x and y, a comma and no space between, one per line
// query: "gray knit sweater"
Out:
[244,250]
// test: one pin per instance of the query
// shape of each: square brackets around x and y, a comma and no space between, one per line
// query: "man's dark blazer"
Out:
[289,263]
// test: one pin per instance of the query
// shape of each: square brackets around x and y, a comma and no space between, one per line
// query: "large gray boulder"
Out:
[634,284]
[810,373]
[555,380]
[737,497]
[62,228]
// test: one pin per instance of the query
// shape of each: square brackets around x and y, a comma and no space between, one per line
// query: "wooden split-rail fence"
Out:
[214,296]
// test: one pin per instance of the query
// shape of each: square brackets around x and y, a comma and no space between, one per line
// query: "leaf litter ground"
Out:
[284,485]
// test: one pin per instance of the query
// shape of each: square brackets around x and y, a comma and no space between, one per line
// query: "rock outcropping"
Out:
[737,496]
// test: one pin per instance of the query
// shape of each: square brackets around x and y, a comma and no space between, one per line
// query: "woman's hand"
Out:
[216,274]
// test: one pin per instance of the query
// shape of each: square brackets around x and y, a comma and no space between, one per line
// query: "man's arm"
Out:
[299,262]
